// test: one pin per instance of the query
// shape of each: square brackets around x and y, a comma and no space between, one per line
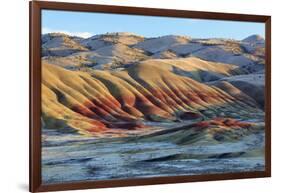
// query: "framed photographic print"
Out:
[123,96]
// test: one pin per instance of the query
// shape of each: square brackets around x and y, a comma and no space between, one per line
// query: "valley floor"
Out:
[71,157]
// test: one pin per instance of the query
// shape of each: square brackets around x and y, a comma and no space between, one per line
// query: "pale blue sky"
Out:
[88,24]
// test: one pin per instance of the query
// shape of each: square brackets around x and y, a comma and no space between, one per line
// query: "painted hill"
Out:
[213,131]
[195,68]
[252,85]
[107,103]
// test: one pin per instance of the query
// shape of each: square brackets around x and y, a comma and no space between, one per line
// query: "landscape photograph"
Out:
[130,96]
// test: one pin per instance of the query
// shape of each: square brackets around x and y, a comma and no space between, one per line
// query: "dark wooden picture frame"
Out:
[35,94]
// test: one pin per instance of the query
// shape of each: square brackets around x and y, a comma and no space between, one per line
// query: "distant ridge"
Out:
[116,50]
[254,39]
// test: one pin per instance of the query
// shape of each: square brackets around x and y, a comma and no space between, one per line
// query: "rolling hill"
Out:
[100,102]
[116,50]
